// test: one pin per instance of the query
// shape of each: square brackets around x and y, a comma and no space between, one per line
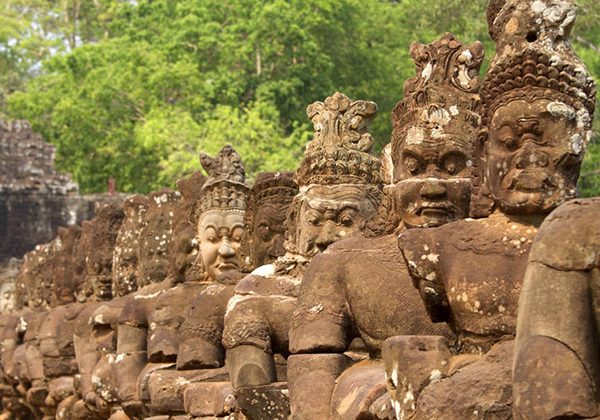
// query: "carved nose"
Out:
[226,250]
[277,249]
[432,189]
[531,156]
[327,236]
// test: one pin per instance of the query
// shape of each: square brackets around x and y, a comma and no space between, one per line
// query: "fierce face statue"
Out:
[434,175]
[329,213]
[268,232]
[534,153]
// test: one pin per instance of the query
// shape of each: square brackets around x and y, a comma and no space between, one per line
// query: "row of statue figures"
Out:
[444,280]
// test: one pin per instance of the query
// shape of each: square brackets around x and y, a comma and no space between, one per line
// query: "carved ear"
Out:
[482,202]
[291,224]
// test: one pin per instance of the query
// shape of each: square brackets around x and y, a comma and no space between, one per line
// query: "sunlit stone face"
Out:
[534,154]
[332,212]
[434,184]
[220,233]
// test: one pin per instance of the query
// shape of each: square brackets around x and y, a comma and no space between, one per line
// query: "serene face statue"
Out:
[268,232]
[435,183]
[7,297]
[534,152]
[220,233]
[332,212]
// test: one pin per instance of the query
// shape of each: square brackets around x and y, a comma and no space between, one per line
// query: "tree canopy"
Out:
[136,89]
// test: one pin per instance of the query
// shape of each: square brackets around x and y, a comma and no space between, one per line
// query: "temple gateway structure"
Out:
[455,276]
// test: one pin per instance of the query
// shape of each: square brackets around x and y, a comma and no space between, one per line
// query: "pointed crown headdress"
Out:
[225,187]
[534,58]
[340,151]
[442,100]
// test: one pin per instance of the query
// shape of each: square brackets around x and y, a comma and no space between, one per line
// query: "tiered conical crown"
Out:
[441,102]
[340,151]
[225,187]
[534,58]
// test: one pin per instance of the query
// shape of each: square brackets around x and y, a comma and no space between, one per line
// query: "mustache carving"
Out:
[440,206]
[532,181]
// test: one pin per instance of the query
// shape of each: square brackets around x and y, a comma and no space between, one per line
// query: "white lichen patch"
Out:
[231,304]
[149,296]
[435,375]
[538,7]
[427,71]
[415,135]
[181,381]
[433,257]
[318,308]
[561,109]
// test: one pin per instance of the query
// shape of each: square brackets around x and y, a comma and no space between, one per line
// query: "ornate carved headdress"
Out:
[225,187]
[442,101]
[534,58]
[339,152]
[277,187]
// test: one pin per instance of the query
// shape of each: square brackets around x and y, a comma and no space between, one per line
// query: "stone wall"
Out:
[35,199]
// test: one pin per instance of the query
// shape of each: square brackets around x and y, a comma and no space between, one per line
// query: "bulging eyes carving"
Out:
[453,163]
[412,164]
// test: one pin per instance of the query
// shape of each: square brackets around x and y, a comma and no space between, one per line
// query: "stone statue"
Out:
[55,336]
[153,232]
[557,325]
[8,276]
[149,327]
[361,286]
[268,202]
[340,189]
[537,106]
[126,253]
[162,230]
[31,296]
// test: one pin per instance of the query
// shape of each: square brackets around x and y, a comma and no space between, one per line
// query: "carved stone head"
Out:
[8,275]
[98,238]
[183,251]
[339,179]
[435,128]
[66,265]
[221,213]
[156,236]
[127,246]
[268,203]
[538,102]
[33,285]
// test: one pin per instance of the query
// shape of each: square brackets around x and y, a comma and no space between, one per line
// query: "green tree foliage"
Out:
[135,89]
